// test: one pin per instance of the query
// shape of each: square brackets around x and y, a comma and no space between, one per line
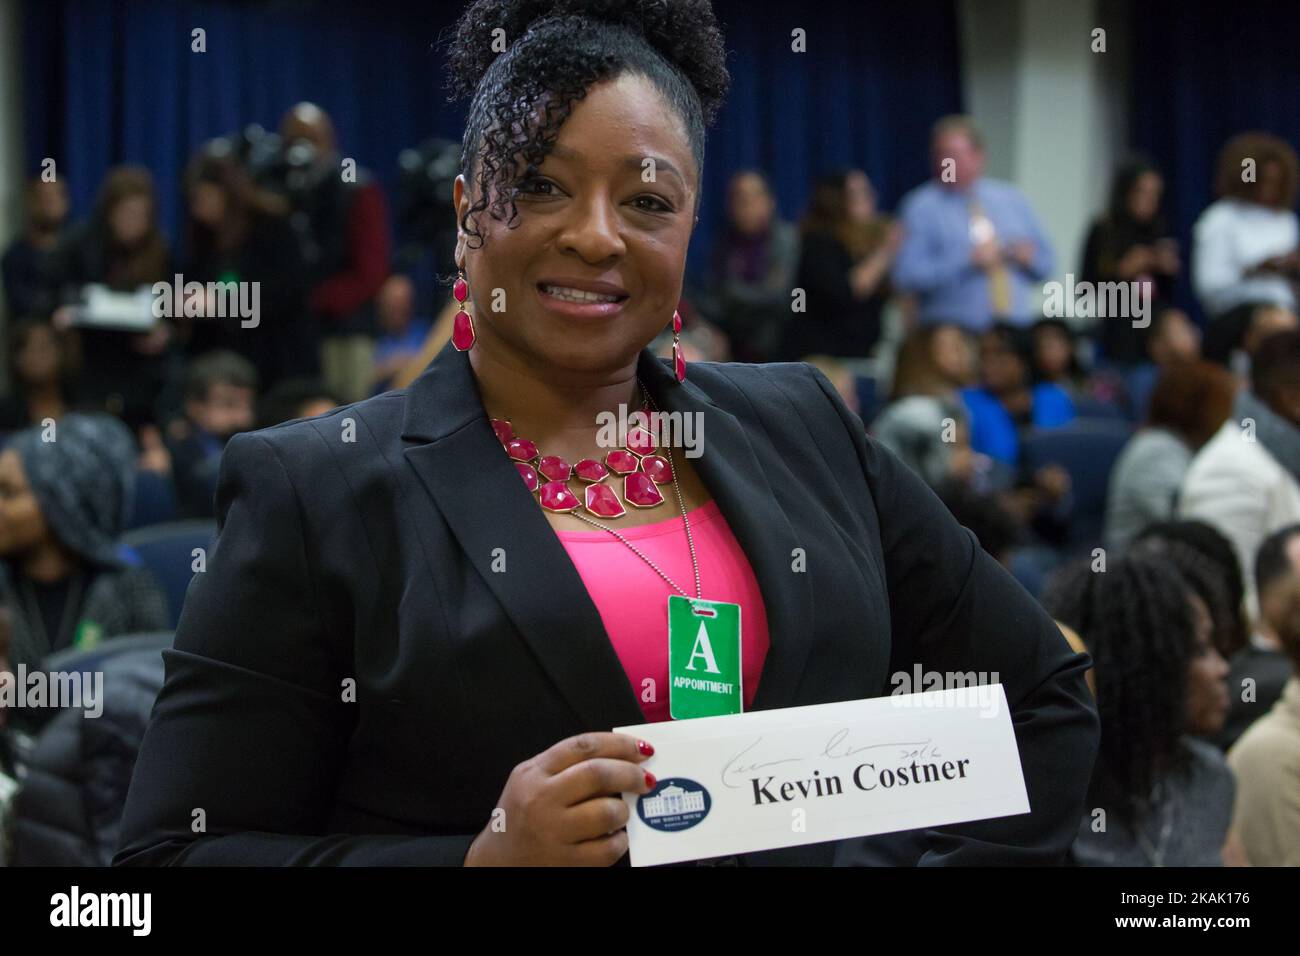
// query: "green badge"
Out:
[88,634]
[704,668]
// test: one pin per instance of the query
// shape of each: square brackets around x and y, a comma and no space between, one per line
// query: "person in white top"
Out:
[1246,480]
[1245,245]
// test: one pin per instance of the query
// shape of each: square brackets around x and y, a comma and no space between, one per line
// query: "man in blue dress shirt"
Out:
[973,251]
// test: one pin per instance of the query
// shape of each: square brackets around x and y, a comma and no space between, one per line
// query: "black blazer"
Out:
[368,563]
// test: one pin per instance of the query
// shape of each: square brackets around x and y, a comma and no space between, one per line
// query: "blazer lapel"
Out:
[738,482]
[480,495]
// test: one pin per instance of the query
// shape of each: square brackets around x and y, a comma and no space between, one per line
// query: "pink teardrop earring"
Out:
[679,360]
[462,330]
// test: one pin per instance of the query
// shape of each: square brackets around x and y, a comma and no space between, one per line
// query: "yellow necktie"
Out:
[999,276]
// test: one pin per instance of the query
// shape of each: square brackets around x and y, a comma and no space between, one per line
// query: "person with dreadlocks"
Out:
[1159,795]
[1207,541]
[1207,581]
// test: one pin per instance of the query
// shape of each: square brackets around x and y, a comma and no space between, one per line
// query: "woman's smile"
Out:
[582,298]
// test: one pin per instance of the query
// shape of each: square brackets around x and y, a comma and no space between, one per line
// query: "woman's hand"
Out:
[153,341]
[153,452]
[870,274]
[564,807]
[1234,852]
[1053,481]
[1138,260]
[1166,260]
[1277,265]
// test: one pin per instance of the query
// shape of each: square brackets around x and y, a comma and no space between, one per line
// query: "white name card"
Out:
[776,778]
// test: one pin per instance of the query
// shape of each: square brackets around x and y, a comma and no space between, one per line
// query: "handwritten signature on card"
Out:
[751,759]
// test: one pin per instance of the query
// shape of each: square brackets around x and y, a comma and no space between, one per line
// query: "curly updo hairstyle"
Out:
[554,51]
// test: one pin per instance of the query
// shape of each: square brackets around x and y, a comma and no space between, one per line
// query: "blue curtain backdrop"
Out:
[115,81]
[1202,73]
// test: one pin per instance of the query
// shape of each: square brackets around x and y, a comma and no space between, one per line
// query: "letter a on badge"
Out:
[704,649]
[696,645]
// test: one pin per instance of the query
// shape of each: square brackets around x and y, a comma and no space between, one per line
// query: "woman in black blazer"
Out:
[391,650]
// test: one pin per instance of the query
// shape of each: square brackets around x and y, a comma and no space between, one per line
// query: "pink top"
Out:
[633,599]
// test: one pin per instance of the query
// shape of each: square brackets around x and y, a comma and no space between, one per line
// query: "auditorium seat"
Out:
[155,500]
[868,396]
[1087,450]
[1086,406]
[167,551]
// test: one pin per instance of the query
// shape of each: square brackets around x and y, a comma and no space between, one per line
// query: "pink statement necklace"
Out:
[637,461]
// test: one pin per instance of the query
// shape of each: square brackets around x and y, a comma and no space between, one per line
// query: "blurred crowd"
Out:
[1137,470]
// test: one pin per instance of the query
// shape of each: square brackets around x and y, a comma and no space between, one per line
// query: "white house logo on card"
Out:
[675,804]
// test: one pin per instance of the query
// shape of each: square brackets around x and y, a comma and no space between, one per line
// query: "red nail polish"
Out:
[645,748]
[650,780]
